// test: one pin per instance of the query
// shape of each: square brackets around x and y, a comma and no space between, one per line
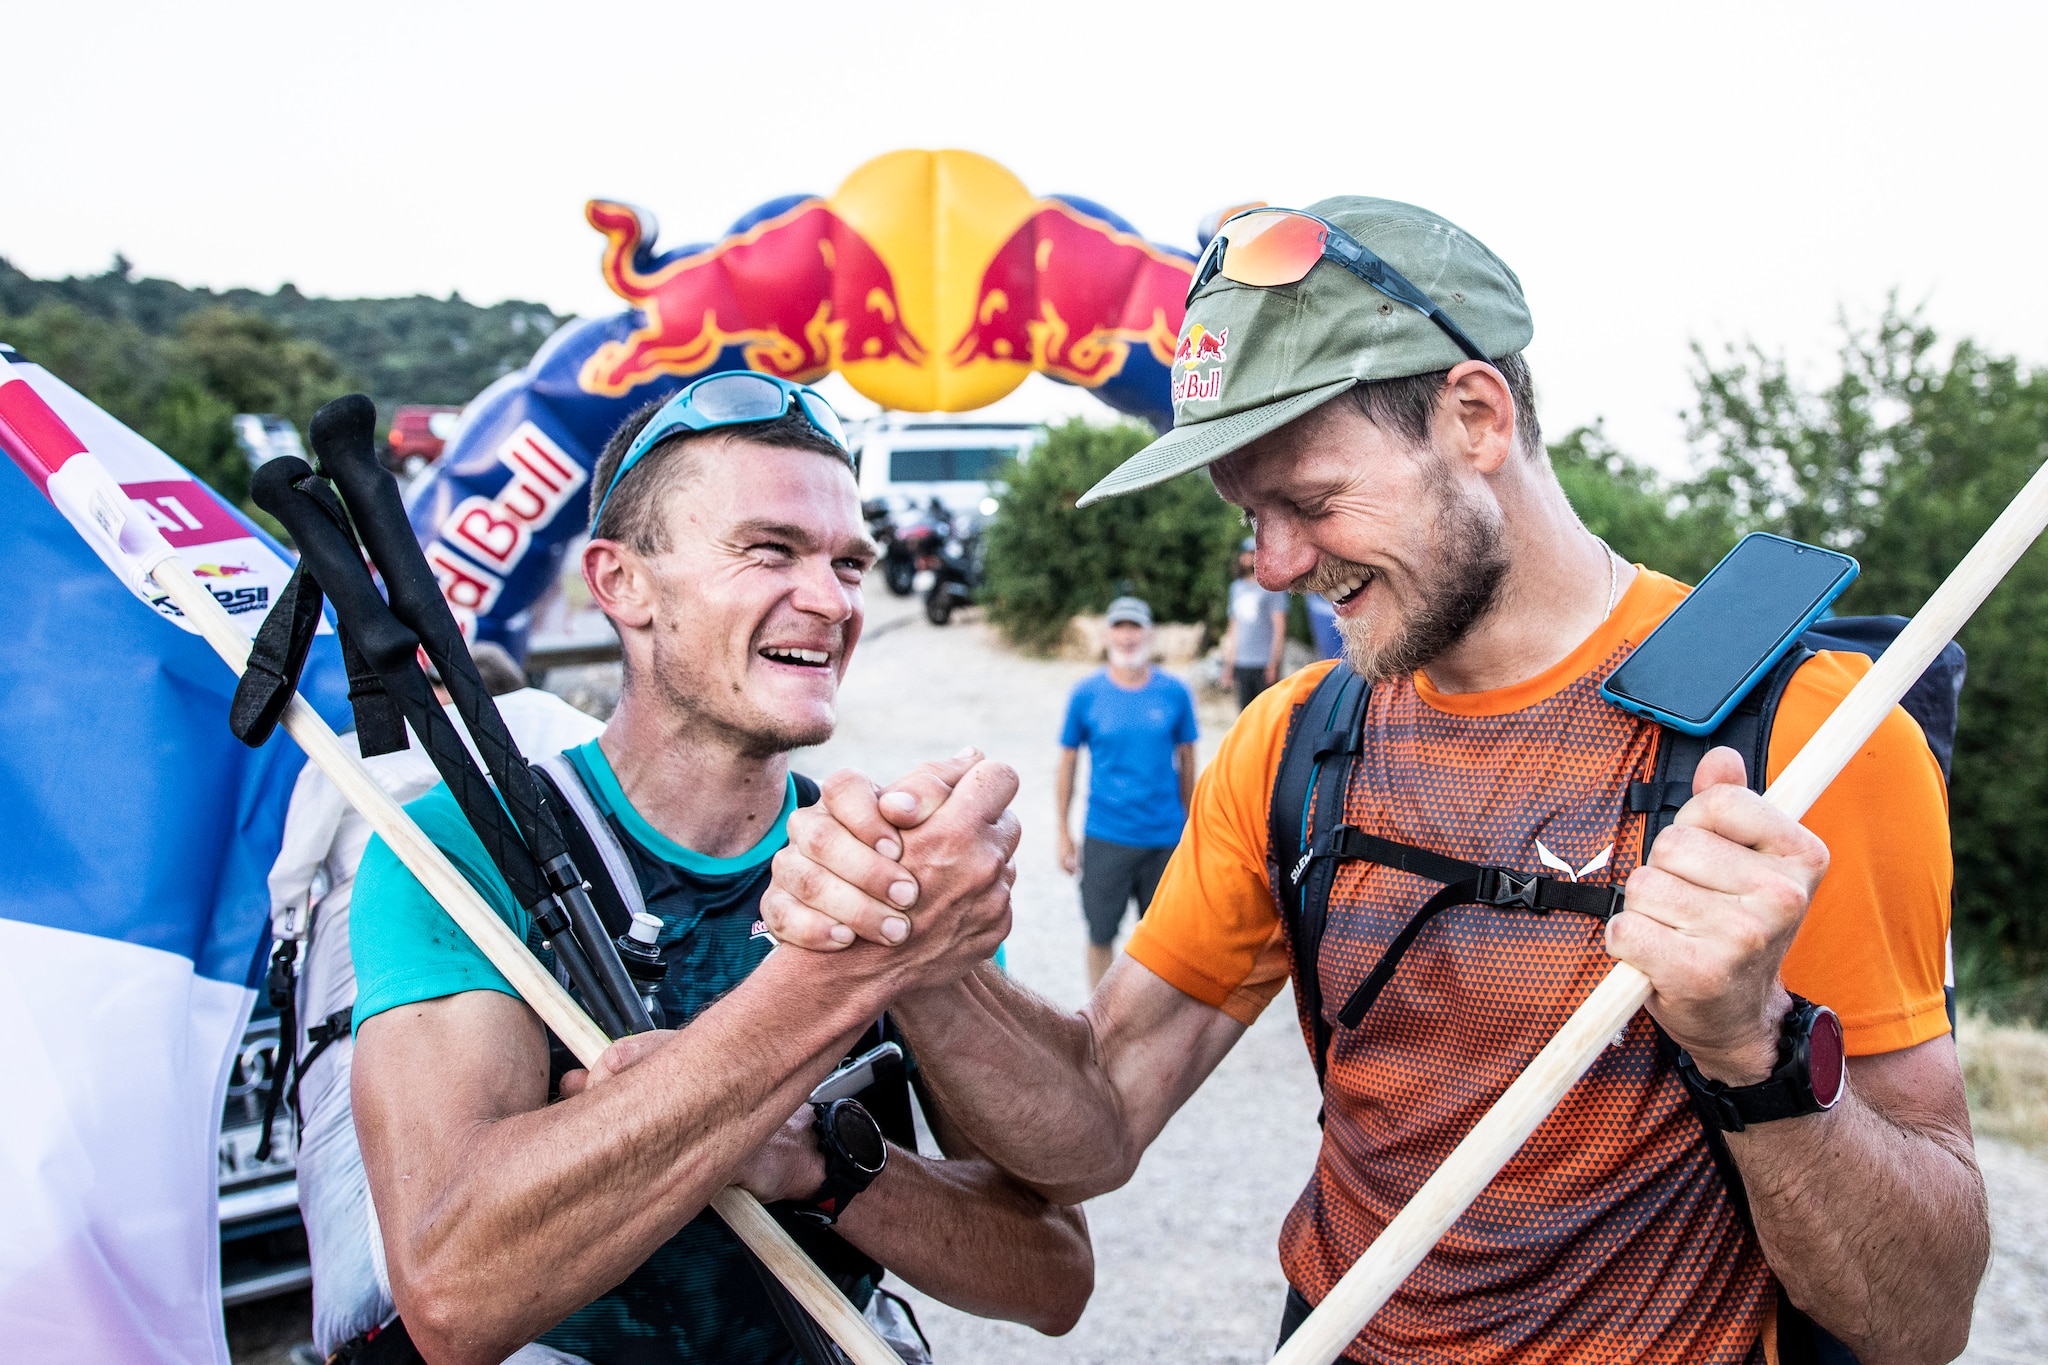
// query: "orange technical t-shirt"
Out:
[1610,1237]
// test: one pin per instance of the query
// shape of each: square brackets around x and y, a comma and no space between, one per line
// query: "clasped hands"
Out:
[930,852]
[1708,918]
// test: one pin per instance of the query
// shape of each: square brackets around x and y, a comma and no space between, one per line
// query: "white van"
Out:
[907,459]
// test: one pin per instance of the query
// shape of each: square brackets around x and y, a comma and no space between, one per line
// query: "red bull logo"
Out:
[1201,344]
[1199,347]
[801,293]
[1072,294]
[220,570]
[495,531]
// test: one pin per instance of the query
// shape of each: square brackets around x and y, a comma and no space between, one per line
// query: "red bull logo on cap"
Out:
[1200,346]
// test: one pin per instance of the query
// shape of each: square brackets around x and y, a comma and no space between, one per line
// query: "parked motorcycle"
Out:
[881,520]
[957,576]
[916,541]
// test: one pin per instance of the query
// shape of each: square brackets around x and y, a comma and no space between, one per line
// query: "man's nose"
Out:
[1284,554]
[819,591]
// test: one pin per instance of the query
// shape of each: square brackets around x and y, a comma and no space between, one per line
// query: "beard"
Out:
[1138,656]
[1460,587]
[750,730]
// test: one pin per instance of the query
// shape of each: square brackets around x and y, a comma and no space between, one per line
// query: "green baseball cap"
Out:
[1253,359]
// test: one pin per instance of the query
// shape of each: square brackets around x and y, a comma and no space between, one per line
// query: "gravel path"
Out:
[1186,1268]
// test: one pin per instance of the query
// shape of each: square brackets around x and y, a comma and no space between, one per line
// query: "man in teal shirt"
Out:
[730,558]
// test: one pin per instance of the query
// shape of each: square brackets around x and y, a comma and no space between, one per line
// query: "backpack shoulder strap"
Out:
[614,889]
[1323,739]
[1747,731]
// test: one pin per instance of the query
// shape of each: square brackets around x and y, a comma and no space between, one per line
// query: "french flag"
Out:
[135,836]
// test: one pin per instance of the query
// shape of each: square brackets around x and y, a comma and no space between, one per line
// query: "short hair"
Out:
[632,515]
[1407,406]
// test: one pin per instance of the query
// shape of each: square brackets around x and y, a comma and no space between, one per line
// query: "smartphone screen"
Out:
[1739,621]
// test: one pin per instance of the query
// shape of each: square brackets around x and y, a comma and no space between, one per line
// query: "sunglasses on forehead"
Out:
[1268,247]
[735,398]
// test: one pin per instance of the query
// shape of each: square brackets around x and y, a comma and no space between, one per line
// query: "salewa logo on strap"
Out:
[1551,860]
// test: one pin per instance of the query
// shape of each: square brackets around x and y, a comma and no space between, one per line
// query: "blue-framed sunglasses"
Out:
[734,398]
[1268,247]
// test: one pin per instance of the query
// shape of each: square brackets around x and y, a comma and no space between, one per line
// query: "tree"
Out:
[181,392]
[1049,560]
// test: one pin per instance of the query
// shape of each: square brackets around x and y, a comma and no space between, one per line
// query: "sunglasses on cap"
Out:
[735,398]
[1268,247]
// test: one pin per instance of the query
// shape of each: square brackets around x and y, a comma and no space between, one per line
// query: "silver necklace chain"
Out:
[1613,576]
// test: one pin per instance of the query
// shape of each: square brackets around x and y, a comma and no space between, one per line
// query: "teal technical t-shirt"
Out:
[697,1298]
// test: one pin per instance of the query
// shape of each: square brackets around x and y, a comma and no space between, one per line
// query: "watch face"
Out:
[1824,1057]
[859,1136]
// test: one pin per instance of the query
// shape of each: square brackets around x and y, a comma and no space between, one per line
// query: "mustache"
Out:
[1328,575]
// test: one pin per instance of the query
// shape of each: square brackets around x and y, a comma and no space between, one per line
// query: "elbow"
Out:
[443,1319]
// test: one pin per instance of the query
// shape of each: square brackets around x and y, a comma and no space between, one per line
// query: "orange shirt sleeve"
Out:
[1875,941]
[1213,929]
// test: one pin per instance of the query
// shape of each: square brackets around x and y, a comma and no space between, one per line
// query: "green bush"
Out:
[1049,560]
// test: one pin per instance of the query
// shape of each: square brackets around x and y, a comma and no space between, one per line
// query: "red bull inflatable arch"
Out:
[932,281]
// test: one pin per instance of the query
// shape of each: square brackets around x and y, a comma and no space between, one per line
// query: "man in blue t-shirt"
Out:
[1138,726]
[728,550]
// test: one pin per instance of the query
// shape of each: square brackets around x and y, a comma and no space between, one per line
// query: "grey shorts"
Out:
[1112,876]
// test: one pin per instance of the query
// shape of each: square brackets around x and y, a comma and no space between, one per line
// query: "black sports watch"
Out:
[855,1154]
[1808,1078]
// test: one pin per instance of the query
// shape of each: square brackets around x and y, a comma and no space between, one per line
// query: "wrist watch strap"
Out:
[845,1177]
[1786,1093]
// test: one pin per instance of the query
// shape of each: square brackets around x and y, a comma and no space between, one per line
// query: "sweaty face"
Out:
[759,600]
[1410,557]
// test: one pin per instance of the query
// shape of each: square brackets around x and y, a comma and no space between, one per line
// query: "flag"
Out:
[137,833]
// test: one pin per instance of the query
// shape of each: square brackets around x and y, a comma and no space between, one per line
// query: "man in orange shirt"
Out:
[1363,397]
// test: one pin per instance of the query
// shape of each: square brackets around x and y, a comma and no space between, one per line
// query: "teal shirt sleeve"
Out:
[404,945]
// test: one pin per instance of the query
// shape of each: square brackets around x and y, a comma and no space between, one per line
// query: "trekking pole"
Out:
[288,489]
[1494,1140]
[52,456]
[344,435]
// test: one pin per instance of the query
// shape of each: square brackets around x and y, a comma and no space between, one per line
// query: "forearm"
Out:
[1279,640]
[962,1232]
[532,1215]
[1063,791]
[1023,1080]
[1877,1230]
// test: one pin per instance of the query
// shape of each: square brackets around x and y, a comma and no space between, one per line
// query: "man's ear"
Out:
[1478,411]
[619,582]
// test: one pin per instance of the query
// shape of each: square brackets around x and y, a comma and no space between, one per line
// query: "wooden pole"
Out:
[535,984]
[1493,1141]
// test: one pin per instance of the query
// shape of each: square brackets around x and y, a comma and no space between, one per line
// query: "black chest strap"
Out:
[1502,888]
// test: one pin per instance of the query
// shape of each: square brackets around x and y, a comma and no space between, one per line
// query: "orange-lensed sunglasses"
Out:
[1268,247]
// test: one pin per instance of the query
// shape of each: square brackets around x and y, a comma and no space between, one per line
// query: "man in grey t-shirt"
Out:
[1258,631]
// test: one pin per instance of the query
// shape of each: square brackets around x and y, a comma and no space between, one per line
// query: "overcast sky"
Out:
[1654,176]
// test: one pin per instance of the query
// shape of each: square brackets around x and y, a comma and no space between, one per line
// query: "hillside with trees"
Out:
[177,363]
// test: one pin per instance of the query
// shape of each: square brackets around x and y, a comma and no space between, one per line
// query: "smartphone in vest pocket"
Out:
[1753,606]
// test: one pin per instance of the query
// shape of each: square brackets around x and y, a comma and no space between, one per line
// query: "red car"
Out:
[418,435]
